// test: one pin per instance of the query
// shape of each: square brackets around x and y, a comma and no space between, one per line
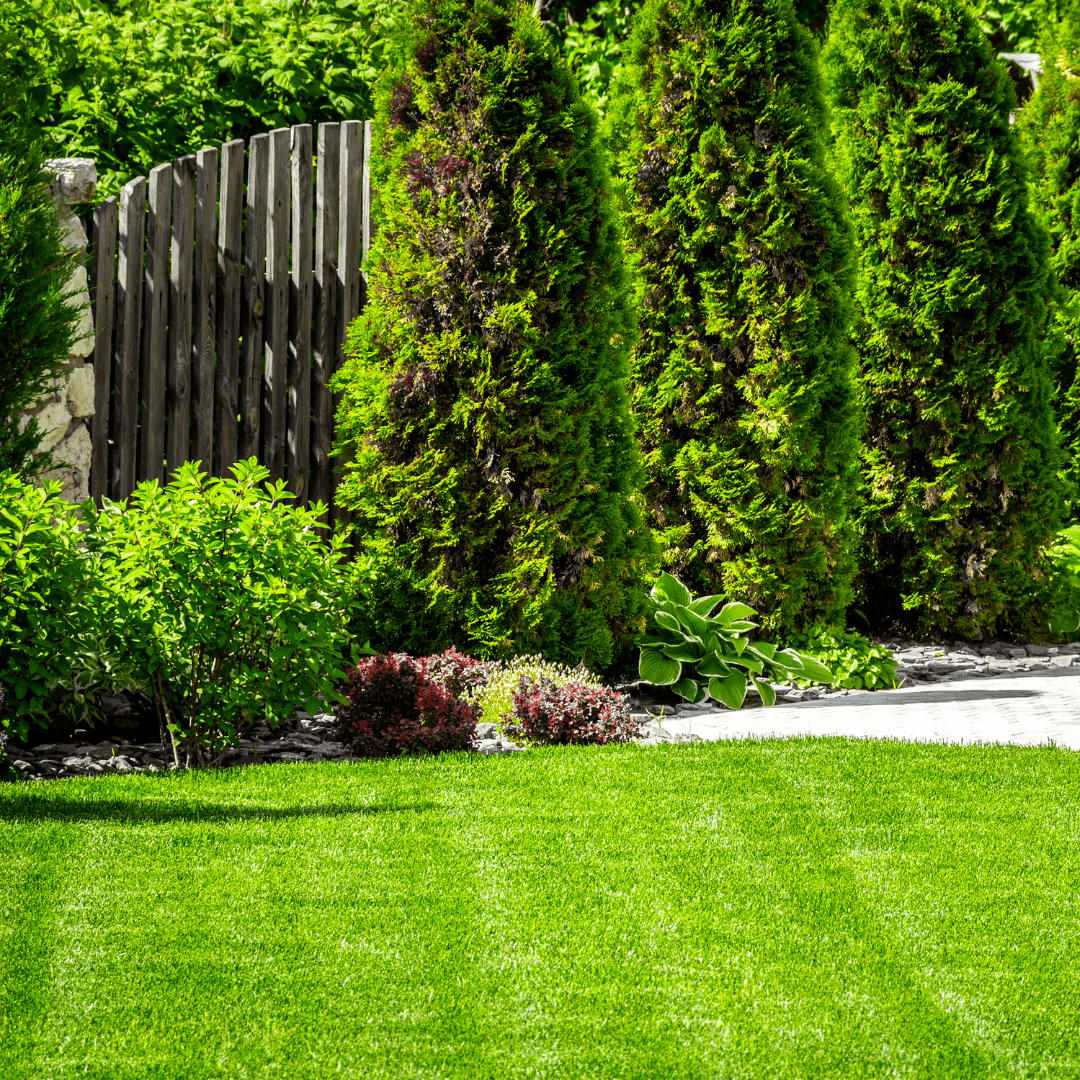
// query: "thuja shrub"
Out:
[394,704]
[962,454]
[743,376]
[485,406]
[1049,124]
[546,713]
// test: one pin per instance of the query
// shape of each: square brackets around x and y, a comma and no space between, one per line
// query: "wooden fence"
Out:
[220,308]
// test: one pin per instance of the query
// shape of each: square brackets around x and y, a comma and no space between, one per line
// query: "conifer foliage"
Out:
[743,378]
[962,452]
[485,388]
[1049,124]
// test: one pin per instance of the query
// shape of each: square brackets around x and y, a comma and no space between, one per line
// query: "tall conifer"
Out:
[962,454]
[485,389]
[743,378]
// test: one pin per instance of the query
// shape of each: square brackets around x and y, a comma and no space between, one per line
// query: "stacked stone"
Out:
[64,414]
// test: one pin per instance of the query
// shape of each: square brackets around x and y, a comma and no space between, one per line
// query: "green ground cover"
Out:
[788,908]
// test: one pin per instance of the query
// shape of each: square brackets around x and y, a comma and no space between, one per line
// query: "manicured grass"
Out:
[797,908]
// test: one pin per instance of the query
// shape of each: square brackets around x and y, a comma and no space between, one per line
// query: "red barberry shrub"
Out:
[456,671]
[395,705]
[546,713]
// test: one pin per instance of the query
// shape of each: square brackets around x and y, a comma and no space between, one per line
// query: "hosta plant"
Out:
[701,652]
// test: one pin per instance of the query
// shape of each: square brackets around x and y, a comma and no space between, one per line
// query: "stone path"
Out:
[1026,709]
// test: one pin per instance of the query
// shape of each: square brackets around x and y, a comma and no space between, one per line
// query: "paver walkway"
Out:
[1026,709]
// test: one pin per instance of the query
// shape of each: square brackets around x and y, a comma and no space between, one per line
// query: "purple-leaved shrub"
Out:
[574,713]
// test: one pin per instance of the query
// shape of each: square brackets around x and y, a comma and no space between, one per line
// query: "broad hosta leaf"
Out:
[768,694]
[703,605]
[713,665]
[656,668]
[687,652]
[669,588]
[762,650]
[692,623]
[688,689]
[730,691]
[666,621]
[732,611]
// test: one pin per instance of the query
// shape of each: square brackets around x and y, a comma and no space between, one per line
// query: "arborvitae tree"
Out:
[37,324]
[743,378]
[485,389]
[962,456]
[1049,125]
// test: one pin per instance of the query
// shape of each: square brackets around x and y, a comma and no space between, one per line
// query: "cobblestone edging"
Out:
[311,738]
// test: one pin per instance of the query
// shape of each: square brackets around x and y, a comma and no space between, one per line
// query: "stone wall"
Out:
[64,415]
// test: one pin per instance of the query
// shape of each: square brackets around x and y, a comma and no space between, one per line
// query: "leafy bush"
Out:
[226,599]
[495,696]
[49,599]
[37,325]
[962,458]
[134,84]
[856,662]
[1065,583]
[743,377]
[460,674]
[1050,126]
[395,704]
[702,655]
[484,391]
[548,714]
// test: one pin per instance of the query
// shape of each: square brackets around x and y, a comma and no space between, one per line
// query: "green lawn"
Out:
[824,908]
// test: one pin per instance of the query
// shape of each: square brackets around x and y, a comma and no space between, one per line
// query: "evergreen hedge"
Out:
[743,378]
[955,290]
[1049,124]
[485,386]
[37,325]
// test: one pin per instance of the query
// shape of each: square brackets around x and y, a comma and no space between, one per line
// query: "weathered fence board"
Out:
[129,299]
[181,266]
[155,324]
[300,311]
[327,178]
[229,308]
[227,375]
[103,295]
[254,293]
[204,309]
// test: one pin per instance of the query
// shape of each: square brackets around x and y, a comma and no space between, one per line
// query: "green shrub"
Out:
[702,653]
[37,325]
[1050,126]
[854,660]
[962,456]
[484,391]
[1064,583]
[49,596]
[226,600]
[743,377]
[139,82]
[495,696]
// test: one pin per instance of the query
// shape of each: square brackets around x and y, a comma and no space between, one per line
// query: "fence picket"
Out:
[327,178]
[299,410]
[276,364]
[365,220]
[227,376]
[103,292]
[254,294]
[204,309]
[155,316]
[129,300]
[178,397]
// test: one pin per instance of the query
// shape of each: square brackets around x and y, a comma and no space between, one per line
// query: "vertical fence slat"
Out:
[325,342]
[299,411]
[254,296]
[227,375]
[155,316]
[204,309]
[103,292]
[178,437]
[276,365]
[129,301]
[365,221]
[350,211]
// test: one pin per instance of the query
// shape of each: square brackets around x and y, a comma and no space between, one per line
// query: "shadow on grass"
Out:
[32,807]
